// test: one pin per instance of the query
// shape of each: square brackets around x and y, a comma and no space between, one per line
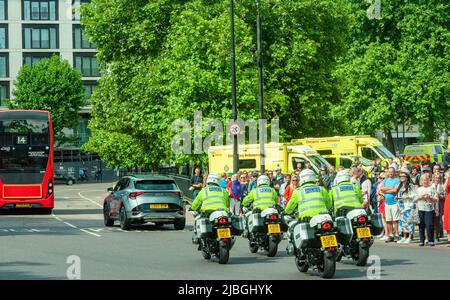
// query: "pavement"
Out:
[34,246]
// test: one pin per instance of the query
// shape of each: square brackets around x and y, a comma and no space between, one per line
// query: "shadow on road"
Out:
[6,274]
[257,259]
[89,211]
[24,212]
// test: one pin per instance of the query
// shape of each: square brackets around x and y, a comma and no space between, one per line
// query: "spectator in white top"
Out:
[425,201]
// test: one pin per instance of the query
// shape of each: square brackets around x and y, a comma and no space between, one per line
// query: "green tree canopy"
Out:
[53,85]
[398,68]
[166,59]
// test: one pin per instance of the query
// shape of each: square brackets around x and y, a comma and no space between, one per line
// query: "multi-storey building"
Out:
[31,30]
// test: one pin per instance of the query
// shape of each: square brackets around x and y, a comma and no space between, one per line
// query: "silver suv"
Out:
[138,199]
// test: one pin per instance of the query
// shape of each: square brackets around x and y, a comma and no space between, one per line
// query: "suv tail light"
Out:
[134,195]
[178,193]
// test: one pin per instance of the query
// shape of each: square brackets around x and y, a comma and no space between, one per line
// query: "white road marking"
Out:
[84,230]
[75,227]
[90,200]
[68,224]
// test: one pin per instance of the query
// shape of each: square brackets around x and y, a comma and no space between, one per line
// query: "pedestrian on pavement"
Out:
[269,174]
[291,188]
[425,201]
[439,191]
[415,175]
[388,187]
[196,182]
[324,178]
[382,206]
[235,192]
[446,223]
[244,186]
[287,182]
[224,181]
[332,174]
[252,181]
[278,179]
[405,197]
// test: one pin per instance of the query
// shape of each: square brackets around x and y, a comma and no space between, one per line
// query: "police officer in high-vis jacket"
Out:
[263,196]
[309,199]
[212,197]
[345,196]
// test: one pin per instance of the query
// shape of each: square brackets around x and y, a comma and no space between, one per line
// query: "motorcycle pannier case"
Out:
[345,230]
[304,236]
[237,224]
[203,227]
[376,224]
[255,222]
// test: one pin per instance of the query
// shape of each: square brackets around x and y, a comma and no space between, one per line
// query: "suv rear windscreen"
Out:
[156,185]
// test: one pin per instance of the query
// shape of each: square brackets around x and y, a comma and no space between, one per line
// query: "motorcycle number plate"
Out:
[328,241]
[224,233]
[363,232]
[274,228]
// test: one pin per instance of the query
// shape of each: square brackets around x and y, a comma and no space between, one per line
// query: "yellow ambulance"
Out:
[286,156]
[432,152]
[359,145]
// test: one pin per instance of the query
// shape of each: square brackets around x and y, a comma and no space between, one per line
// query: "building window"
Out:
[4,66]
[40,10]
[3,10]
[4,91]
[80,40]
[89,88]
[76,4]
[40,36]
[3,36]
[86,64]
[32,59]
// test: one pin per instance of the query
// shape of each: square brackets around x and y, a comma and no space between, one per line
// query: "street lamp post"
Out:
[260,82]
[233,89]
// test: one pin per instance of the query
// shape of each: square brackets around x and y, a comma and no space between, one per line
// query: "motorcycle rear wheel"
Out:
[328,268]
[361,258]
[301,266]
[224,253]
[273,248]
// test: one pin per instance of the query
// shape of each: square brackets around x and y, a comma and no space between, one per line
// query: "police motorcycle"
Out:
[315,244]
[361,228]
[265,229]
[215,234]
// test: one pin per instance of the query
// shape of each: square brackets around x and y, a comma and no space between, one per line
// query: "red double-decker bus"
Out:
[26,160]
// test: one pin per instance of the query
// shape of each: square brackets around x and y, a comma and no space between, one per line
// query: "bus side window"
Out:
[368,153]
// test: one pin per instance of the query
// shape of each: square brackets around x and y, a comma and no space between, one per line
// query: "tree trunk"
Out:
[389,140]
[428,131]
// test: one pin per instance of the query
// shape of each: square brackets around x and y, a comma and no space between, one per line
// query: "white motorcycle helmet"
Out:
[263,179]
[307,175]
[342,176]
[213,179]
